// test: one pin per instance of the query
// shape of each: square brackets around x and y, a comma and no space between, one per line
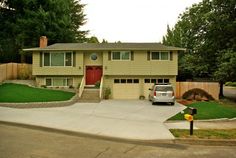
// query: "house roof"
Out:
[104,46]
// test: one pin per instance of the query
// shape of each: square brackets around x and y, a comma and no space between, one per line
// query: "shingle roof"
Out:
[105,46]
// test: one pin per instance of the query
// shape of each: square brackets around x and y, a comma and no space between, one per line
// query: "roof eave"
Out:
[98,49]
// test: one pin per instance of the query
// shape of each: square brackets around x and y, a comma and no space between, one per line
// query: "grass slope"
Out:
[209,110]
[16,93]
[205,133]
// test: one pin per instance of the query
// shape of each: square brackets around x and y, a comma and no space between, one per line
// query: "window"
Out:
[166,81]
[59,82]
[136,80]
[123,81]
[163,80]
[58,59]
[46,59]
[160,55]
[116,81]
[155,55]
[164,55]
[160,81]
[68,59]
[94,56]
[121,55]
[48,82]
[153,80]
[146,80]
[129,81]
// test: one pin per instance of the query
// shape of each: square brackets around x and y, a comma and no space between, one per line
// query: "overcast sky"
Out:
[132,20]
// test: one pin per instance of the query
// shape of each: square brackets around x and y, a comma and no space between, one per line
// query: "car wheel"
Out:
[153,103]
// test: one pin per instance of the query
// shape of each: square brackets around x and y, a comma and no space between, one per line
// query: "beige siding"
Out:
[140,65]
[57,70]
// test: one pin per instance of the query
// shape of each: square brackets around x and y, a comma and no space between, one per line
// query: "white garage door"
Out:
[126,91]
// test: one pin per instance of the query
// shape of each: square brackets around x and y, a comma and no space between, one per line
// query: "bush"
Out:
[233,84]
[107,92]
[197,94]
[97,84]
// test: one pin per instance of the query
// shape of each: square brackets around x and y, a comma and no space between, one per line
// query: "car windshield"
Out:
[164,88]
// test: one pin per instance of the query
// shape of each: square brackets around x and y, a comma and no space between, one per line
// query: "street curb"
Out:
[207,142]
[161,142]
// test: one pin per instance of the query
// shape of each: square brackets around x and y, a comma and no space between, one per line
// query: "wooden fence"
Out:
[211,88]
[12,71]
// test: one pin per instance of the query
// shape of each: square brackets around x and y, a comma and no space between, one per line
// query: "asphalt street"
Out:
[19,142]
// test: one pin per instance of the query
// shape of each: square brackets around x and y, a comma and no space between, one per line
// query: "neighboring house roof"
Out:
[105,46]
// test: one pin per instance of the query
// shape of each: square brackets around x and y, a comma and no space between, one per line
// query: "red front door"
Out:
[93,74]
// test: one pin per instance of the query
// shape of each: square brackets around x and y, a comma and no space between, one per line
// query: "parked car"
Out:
[162,93]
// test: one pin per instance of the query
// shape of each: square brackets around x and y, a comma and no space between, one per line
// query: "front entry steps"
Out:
[90,96]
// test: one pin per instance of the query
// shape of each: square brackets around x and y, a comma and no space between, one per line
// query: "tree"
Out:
[227,68]
[207,30]
[93,39]
[24,21]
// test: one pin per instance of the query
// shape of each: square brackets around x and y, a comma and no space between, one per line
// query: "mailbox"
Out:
[192,111]
[188,117]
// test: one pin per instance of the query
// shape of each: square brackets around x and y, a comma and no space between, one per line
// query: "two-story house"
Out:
[128,69]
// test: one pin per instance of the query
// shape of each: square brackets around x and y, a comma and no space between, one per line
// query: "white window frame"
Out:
[50,59]
[160,56]
[66,78]
[121,56]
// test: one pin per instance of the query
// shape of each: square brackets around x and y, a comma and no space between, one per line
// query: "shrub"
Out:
[97,84]
[197,94]
[141,97]
[233,84]
[107,92]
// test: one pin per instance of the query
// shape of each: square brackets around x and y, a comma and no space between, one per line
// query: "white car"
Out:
[162,93]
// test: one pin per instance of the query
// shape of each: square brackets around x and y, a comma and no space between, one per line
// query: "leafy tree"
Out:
[24,21]
[93,39]
[104,41]
[207,30]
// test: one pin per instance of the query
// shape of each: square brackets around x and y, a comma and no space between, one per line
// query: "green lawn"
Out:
[16,93]
[205,133]
[209,110]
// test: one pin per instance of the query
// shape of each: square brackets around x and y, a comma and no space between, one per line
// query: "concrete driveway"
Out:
[128,119]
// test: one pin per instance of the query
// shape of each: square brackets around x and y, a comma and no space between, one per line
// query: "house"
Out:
[128,69]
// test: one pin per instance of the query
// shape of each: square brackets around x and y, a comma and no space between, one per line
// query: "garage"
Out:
[126,89]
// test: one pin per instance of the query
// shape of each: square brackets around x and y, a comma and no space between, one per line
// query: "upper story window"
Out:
[121,55]
[58,59]
[160,55]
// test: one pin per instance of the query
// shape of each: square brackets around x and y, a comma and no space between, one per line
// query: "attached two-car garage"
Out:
[134,88]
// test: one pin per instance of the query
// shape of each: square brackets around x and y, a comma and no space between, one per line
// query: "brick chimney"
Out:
[43,42]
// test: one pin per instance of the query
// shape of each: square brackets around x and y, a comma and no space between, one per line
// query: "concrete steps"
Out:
[90,96]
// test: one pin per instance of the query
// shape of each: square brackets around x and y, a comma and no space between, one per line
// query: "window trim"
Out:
[156,80]
[121,55]
[64,78]
[126,81]
[159,56]
[64,54]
